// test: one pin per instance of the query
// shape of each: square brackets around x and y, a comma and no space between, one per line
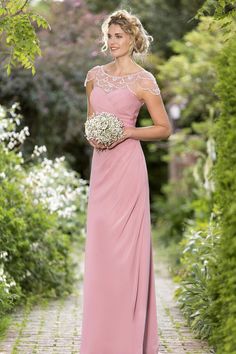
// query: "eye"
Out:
[117,36]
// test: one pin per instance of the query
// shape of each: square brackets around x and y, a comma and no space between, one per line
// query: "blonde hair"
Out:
[131,25]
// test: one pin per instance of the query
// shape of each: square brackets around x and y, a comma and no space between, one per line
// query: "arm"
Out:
[161,129]
[149,92]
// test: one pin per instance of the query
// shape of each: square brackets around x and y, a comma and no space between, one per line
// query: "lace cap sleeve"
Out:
[91,74]
[149,83]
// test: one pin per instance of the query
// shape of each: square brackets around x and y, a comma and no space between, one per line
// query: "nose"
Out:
[111,42]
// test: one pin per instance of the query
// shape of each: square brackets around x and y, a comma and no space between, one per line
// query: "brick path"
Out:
[54,328]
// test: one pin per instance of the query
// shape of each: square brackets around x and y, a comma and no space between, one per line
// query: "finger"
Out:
[98,145]
[94,144]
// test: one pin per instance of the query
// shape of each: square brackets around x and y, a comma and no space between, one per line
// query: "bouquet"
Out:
[104,127]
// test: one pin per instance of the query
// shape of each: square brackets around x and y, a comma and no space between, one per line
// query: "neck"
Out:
[122,64]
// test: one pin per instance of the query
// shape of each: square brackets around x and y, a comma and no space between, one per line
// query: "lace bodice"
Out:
[135,82]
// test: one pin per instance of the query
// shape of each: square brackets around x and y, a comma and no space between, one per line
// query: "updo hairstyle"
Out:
[130,24]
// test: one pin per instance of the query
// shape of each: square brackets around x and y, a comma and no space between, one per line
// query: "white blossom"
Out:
[50,182]
[56,188]
[2,175]
[4,279]
[39,150]
[3,255]
[104,127]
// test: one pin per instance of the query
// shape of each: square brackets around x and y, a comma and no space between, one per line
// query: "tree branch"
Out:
[17,12]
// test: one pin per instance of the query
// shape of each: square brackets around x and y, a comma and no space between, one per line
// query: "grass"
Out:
[5,322]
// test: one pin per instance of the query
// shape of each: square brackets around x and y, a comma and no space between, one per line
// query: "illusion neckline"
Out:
[120,76]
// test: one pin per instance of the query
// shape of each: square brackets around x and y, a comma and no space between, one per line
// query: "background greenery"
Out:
[192,175]
[42,217]
[197,222]
[55,96]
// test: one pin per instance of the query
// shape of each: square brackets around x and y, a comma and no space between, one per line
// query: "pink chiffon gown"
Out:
[119,314]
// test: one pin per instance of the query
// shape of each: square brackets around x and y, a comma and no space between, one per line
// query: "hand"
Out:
[126,135]
[97,145]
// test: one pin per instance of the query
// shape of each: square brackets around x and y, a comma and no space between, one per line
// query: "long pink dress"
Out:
[119,305]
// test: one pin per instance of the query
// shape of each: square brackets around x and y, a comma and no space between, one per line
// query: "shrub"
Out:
[59,190]
[207,292]
[36,240]
[195,293]
[37,253]
[225,180]
[190,195]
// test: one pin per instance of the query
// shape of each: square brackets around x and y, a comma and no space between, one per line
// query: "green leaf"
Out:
[8,69]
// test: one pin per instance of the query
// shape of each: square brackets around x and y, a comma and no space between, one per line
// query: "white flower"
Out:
[34,246]
[50,182]
[104,127]
[38,150]
[3,255]
[211,148]
[57,188]
[12,283]
[1,270]
[8,133]
[3,279]
[2,112]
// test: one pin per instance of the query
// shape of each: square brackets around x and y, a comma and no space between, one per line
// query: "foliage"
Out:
[36,237]
[37,253]
[207,276]
[171,209]
[225,182]
[191,221]
[19,42]
[59,190]
[164,20]
[53,102]
[195,293]
[10,292]
[189,75]
[189,195]
[221,10]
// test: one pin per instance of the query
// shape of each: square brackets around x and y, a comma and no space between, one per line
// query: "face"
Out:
[118,41]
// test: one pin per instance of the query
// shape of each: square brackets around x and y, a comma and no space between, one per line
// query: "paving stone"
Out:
[56,328]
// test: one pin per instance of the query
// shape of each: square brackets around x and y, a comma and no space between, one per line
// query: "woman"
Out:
[119,305]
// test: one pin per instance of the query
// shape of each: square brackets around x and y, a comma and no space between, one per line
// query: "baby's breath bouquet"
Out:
[104,127]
